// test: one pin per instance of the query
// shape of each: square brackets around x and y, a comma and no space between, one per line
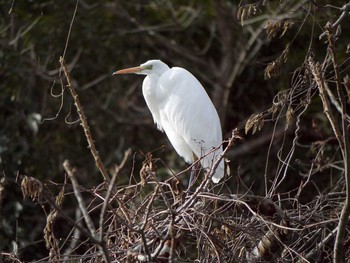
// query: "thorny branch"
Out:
[319,79]
[84,122]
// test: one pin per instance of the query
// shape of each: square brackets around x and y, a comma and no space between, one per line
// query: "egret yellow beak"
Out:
[128,70]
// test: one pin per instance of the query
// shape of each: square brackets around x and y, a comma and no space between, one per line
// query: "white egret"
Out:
[182,109]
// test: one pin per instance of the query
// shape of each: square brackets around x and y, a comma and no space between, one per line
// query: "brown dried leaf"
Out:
[289,116]
[245,12]
[254,122]
[259,127]
[143,174]
[31,187]
[147,169]
[249,124]
[288,24]
[273,110]
[274,68]
[176,186]
[49,236]
[273,28]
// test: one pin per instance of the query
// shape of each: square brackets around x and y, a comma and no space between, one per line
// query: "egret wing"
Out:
[189,116]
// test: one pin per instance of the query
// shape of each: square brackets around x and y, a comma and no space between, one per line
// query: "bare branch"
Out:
[346,10]
[110,190]
[101,244]
[84,122]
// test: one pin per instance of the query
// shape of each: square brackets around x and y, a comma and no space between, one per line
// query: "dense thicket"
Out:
[268,72]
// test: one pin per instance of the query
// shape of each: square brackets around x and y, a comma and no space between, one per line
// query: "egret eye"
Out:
[148,67]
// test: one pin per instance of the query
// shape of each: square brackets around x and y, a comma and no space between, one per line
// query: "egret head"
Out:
[150,67]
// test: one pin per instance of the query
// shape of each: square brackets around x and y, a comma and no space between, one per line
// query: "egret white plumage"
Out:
[181,108]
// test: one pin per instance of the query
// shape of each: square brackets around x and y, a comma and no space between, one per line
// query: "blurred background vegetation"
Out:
[224,45]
